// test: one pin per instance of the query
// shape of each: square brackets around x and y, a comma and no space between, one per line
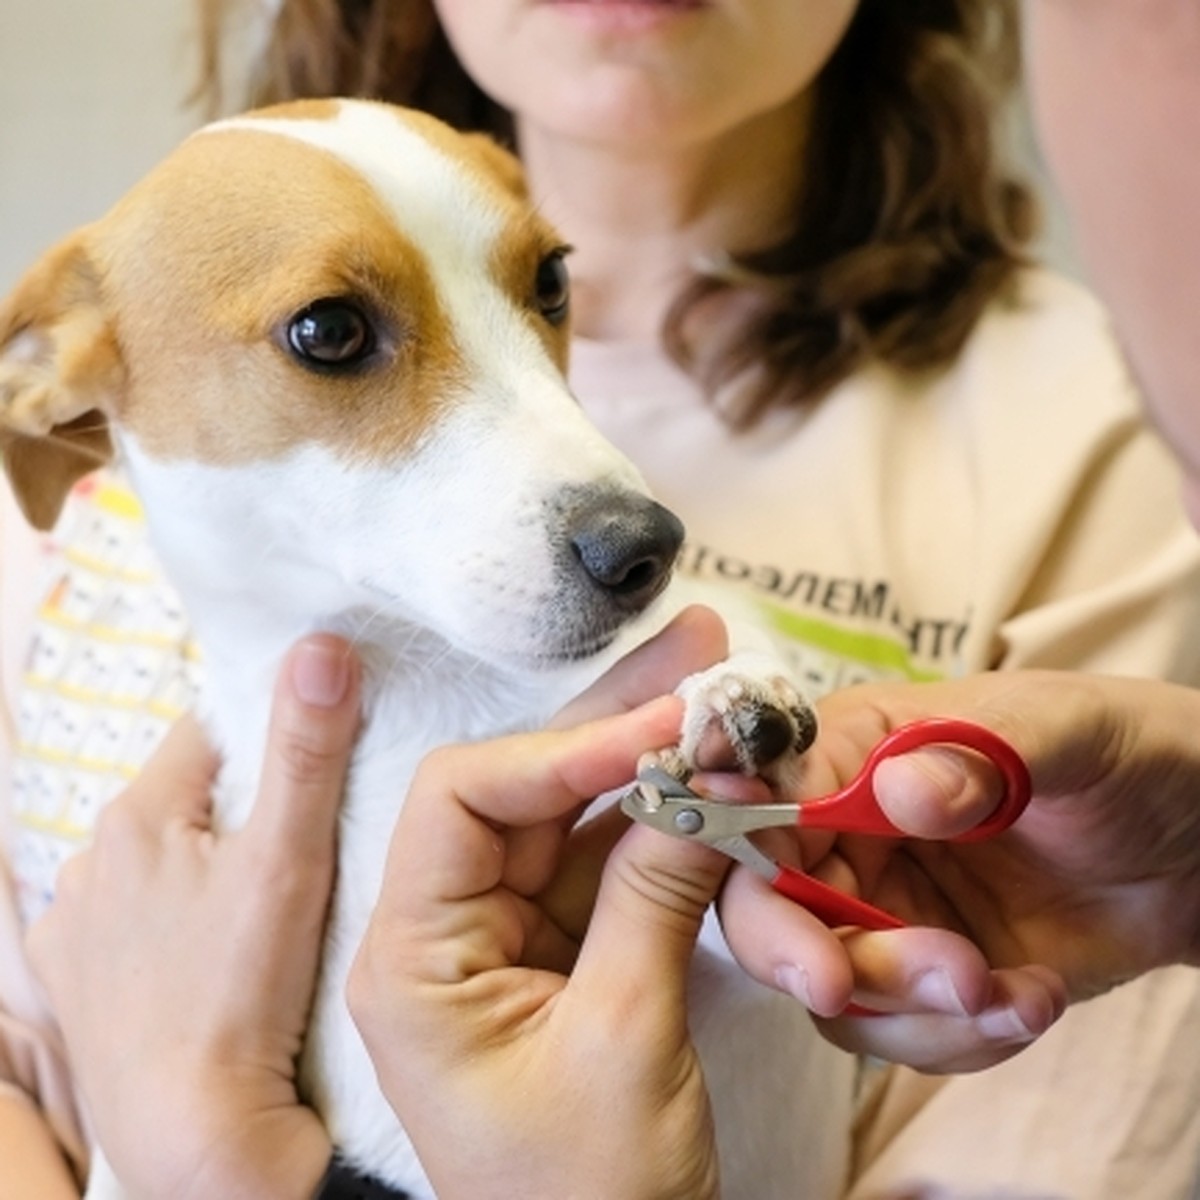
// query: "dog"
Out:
[327,342]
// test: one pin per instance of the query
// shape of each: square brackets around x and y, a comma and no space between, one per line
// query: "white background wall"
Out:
[93,93]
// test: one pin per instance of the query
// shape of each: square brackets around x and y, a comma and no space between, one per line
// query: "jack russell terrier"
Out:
[326,342]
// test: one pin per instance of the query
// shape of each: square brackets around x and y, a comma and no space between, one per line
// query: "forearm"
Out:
[31,1163]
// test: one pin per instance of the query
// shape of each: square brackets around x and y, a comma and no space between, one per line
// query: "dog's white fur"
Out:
[442,546]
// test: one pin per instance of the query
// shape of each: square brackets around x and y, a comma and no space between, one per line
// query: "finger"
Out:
[570,897]
[446,846]
[1025,1002]
[694,640]
[442,916]
[918,970]
[314,721]
[176,782]
[784,946]
[653,896]
[937,792]
[173,790]
[571,894]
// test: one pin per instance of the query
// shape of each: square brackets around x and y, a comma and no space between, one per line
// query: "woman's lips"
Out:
[631,15]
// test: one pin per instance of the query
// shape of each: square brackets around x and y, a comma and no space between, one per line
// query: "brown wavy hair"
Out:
[908,227]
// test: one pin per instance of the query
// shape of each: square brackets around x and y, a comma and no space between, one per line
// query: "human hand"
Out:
[1098,881]
[181,964]
[556,1073]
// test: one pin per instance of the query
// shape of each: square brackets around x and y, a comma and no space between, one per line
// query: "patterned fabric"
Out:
[108,669]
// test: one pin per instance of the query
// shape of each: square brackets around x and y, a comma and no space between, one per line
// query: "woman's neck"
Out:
[640,219]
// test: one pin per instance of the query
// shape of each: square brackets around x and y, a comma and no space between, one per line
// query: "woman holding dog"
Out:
[877,325]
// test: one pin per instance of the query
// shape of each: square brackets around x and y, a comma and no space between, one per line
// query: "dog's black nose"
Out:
[627,545]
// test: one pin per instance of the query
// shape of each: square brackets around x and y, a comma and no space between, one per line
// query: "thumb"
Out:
[653,896]
[695,639]
[937,792]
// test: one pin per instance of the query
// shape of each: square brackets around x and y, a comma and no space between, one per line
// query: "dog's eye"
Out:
[553,287]
[331,333]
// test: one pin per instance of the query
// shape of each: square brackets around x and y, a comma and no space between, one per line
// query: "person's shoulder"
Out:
[1042,304]
[1051,336]
[1040,287]
[1046,391]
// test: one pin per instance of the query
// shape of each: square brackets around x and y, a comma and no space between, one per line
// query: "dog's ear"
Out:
[504,166]
[60,373]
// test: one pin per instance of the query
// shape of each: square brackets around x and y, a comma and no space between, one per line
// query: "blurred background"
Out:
[91,95]
[94,92]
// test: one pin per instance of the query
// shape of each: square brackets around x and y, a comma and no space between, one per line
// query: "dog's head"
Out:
[329,340]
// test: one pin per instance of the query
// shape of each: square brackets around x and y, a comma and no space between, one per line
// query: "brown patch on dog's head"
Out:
[211,262]
[175,315]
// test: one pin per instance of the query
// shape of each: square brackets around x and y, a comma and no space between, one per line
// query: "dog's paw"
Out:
[763,717]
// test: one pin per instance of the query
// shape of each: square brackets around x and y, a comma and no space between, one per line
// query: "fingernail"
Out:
[794,980]
[1004,1025]
[936,989]
[943,768]
[320,673]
